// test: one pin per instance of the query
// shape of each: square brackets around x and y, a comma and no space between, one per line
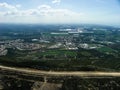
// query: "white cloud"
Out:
[56,1]
[43,13]
[5,5]
[9,10]
[46,10]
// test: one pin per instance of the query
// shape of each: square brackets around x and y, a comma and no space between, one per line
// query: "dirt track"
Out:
[55,73]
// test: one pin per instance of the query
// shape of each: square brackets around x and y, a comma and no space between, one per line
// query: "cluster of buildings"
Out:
[3,50]
[75,31]
[67,46]
[28,46]
[90,46]
[20,45]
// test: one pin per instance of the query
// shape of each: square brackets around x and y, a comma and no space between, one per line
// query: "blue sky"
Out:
[60,11]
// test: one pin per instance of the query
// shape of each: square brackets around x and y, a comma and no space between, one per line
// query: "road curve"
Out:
[61,73]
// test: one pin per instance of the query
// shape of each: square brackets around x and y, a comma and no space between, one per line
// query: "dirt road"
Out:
[61,73]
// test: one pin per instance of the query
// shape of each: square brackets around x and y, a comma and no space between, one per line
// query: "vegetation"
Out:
[104,57]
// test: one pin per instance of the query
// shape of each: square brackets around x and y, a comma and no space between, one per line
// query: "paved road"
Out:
[64,73]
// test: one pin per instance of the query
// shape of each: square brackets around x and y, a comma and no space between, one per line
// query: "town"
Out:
[86,44]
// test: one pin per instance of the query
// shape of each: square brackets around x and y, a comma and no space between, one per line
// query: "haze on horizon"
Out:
[60,11]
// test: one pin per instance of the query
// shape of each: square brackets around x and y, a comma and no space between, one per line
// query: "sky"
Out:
[60,11]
